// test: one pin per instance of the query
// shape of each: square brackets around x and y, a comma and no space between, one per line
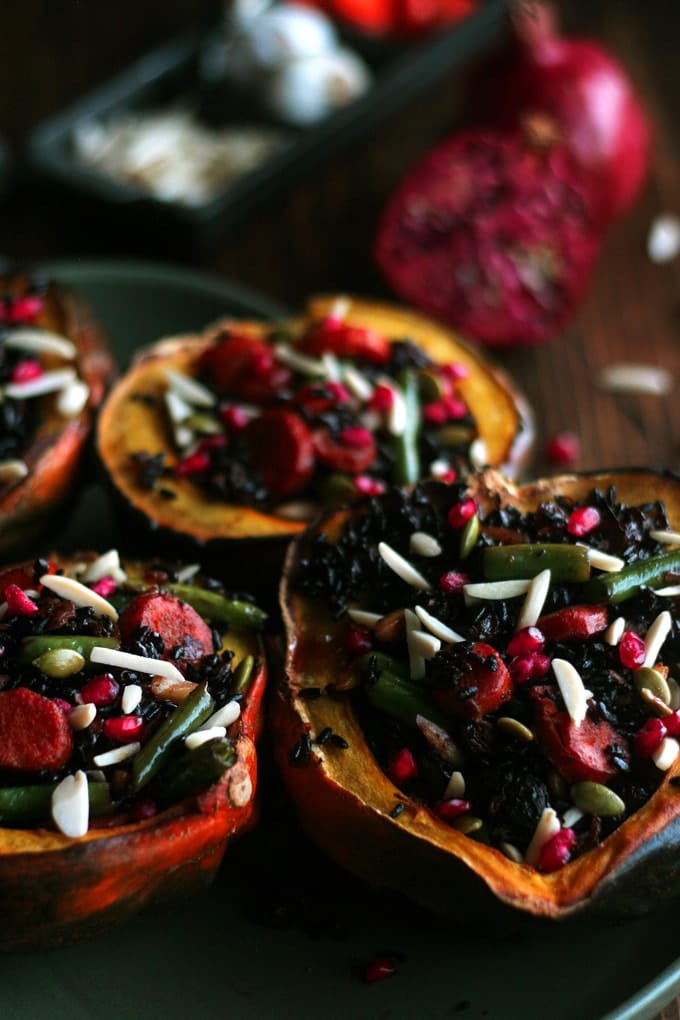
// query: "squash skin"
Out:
[344,799]
[237,533]
[55,890]
[55,455]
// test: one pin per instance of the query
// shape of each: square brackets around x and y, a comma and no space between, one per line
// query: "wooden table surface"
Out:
[317,238]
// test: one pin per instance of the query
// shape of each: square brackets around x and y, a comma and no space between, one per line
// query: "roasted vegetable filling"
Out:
[513,672]
[329,415]
[118,689]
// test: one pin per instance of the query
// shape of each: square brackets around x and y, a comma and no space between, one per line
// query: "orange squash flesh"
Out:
[56,890]
[55,452]
[127,425]
[344,799]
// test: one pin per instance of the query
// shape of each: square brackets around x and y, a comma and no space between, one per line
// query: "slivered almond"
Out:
[670,591]
[423,544]
[73,398]
[657,633]
[455,788]
[602,560]
[331,366]
[437,627]
[364,618]
[48,382]
[405,570]
[666,537]
[199,737]
[189,389]
[642,379]
[131,697]
[40,341]
[548,826]
[224,716]
[298,361]
[427,644]
[535,600]
[615,631]
[106,565]
[478,453]
[666,753]
[79,594]
[178,409]
[138,663]
[82,716]
[572,689]
[116,755]
[482,590]
[71,805]
[356,383]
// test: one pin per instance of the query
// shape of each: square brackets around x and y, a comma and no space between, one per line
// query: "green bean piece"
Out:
[195,770]
[32,804]
[622,585]
[469,536]
[383,662]
[33,647]
[188,716]
[513,562]
[405,445]
[243,674]
[219,609]
[403,700]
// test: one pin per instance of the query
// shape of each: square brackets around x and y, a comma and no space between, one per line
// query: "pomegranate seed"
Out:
[450,809]
[583,520]
[379,969]
[672,723]
[435,413]
[105,586]
[193,464]
[402,767]
[18,602]
[382,398]
[62,704]
[25,309]
[208,443]
[455,407]
[454,371]
[460,513]
[358,640]
[649,737]
[100,690]
[448,476]
[234,418]
[337,391]
[26,369]
[529,667]
[146,808]
[525,641]
[556,851]
[564,448]
[631,650]
[453,580]
[368,486]
[124,729]
[356,436]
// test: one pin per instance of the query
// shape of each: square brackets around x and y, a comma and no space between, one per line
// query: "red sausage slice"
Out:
[34,732]
[481,690]
[176,621]
[574,622]
[281,449]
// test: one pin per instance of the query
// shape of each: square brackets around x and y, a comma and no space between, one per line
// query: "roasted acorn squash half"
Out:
[119,787]
[55,368]
[610,749]
[289,420]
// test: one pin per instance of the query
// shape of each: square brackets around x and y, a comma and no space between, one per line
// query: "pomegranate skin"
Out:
[493,234]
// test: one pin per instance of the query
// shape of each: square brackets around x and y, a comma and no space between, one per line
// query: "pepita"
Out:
[596,799]
[469,536]
[515,728]
[653,681]
[467,824]
[59,663]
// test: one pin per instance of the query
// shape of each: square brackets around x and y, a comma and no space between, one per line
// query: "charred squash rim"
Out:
[56,890]
[56,450]
[127,425]
[344,799]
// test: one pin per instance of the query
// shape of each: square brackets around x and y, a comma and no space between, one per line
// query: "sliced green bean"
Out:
[187,716]
[219,609]
[622,585]
[32,804]
[243,674]
[195,770]
[33,647]
[405,445]
[512,562]
[403,700]
[383,662]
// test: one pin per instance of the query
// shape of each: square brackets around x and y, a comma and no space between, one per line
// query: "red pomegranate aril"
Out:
[355,436]
[193,464]
[402,767]
[18,602]
[379,969]
[435,413]
[123,729]
[453,581]
[454,371]
[460,513]
[105,586]
[367,486]
[143,809]
[26,370]
[448,476]
[583,520]
[455,407]
[649,737]
[556,851]
[25,309]
[525,641]
[100,690]
[382,398]
[234,418]
[448,810]
[358,640]
[631,649]
[529,667]
[672,723]
[563,449]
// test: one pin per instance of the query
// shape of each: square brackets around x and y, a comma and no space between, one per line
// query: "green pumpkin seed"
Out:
[469,536]
[467,824]
[430,386]
[203,424]
[515,728]
[338,488]
[654,682]
[59,663]
[596,799]
[455,435]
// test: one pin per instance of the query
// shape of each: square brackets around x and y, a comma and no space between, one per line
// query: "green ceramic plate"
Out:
[282,933]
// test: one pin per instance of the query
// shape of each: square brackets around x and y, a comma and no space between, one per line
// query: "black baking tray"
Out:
[175,71]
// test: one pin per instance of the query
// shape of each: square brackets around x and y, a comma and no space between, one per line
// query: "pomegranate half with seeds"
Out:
[128,730]
[496,752]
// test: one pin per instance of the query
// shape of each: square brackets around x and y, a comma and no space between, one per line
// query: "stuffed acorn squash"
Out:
[54,369]
[130,706]
[244,433]
[480,705]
